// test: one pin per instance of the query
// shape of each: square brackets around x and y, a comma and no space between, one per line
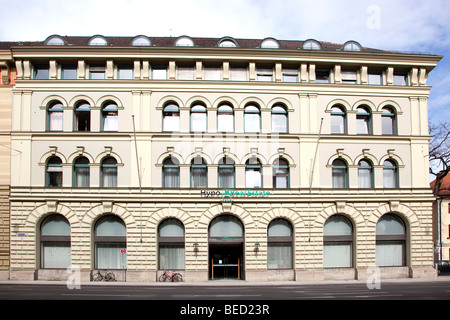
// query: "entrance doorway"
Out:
[225,261]
[226,243]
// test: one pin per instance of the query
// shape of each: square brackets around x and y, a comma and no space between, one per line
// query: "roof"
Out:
[445,186]
[123,41]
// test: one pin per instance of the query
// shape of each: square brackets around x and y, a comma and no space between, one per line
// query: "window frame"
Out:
[195,165]
[336,239]
[276,241]
[226,163]
[249,166]
[343,169]
[277,165]
[365,117]
[171,241]
[369,167]
[63,240]
[342,115]
[225,112]
[117,240]
[175,164]
[53,108]
[104,165]
[76,173]
[249,110]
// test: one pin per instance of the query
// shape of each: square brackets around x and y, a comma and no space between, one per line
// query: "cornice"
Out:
[225,54]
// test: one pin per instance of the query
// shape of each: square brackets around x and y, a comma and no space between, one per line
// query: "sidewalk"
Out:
[237,283]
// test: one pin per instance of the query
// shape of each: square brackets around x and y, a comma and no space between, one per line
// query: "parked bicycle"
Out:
[170,276]
[106,276]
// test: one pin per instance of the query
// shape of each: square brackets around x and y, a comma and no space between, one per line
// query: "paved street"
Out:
[406,289]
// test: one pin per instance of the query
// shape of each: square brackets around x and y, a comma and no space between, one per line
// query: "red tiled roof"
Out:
[169,42]
[444,190]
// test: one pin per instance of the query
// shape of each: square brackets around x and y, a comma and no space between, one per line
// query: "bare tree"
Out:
[439,152]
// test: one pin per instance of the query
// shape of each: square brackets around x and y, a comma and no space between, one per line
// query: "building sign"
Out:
[231,193]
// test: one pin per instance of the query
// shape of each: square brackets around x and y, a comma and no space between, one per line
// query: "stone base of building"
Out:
[371,273]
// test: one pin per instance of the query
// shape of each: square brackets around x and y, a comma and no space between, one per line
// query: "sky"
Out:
[399,25]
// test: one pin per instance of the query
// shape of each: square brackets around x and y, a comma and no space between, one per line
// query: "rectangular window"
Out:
[125,72]
[400,79]
[97,72]
[171,256]
[41,72]
[238,74]
[279,256]
[337,254]
[264,74]
[322,76]
[69,72]
[185,73]
[159,72]
[375,77]
[348,77]
[55,255]
[212,73]
[290,75]
[226,176]
[109,256]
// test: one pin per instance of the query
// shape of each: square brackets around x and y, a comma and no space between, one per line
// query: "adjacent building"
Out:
[441,215]
[252,159]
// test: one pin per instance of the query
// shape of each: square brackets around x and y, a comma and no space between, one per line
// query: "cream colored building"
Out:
[220,158]
[6,83]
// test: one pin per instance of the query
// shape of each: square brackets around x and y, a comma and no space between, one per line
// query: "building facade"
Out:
[441,215]
[258,160]
[7,79]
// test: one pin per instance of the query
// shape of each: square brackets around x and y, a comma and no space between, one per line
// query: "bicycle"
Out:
[170,276]
[109,276]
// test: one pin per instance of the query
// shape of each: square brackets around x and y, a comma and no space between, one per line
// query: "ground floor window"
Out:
[55,242]
[337,242]
[279,245]
[391,241]
[171,245]
[110,241]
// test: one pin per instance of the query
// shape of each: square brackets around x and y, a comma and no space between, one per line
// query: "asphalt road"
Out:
[405,289]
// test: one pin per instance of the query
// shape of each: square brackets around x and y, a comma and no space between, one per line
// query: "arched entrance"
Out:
[226,243]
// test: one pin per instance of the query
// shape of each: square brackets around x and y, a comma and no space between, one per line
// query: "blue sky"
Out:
[398,25]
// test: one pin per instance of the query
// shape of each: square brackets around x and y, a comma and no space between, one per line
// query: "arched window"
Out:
[226,173]
[340,174]
[171,245]
[171,173]
[198,118]
[171,117]
[253,173]
[279,245]
[54,172]
[225,118]
[54,40]
[98,41]
[365,174]
[280,173]
[363,121]
[270,43]
[388,121]
[109,173]
[141,41]
[81,173]
[110,117]
[110,236]
[184,41]
[227,43]
[55,116]
[352,46]
[55,242]
[252,118]
[390,174]
[391,241]
[338,120]
[311,45]
[279,119]
[83,116]
[337,242]
[226,226]
[199,173]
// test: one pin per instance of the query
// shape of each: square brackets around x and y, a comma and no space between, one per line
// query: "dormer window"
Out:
[184,41]
[352,46]
[141,41]
[227,43]
[54,40]
[311,45]
[270,43]
[98,41]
